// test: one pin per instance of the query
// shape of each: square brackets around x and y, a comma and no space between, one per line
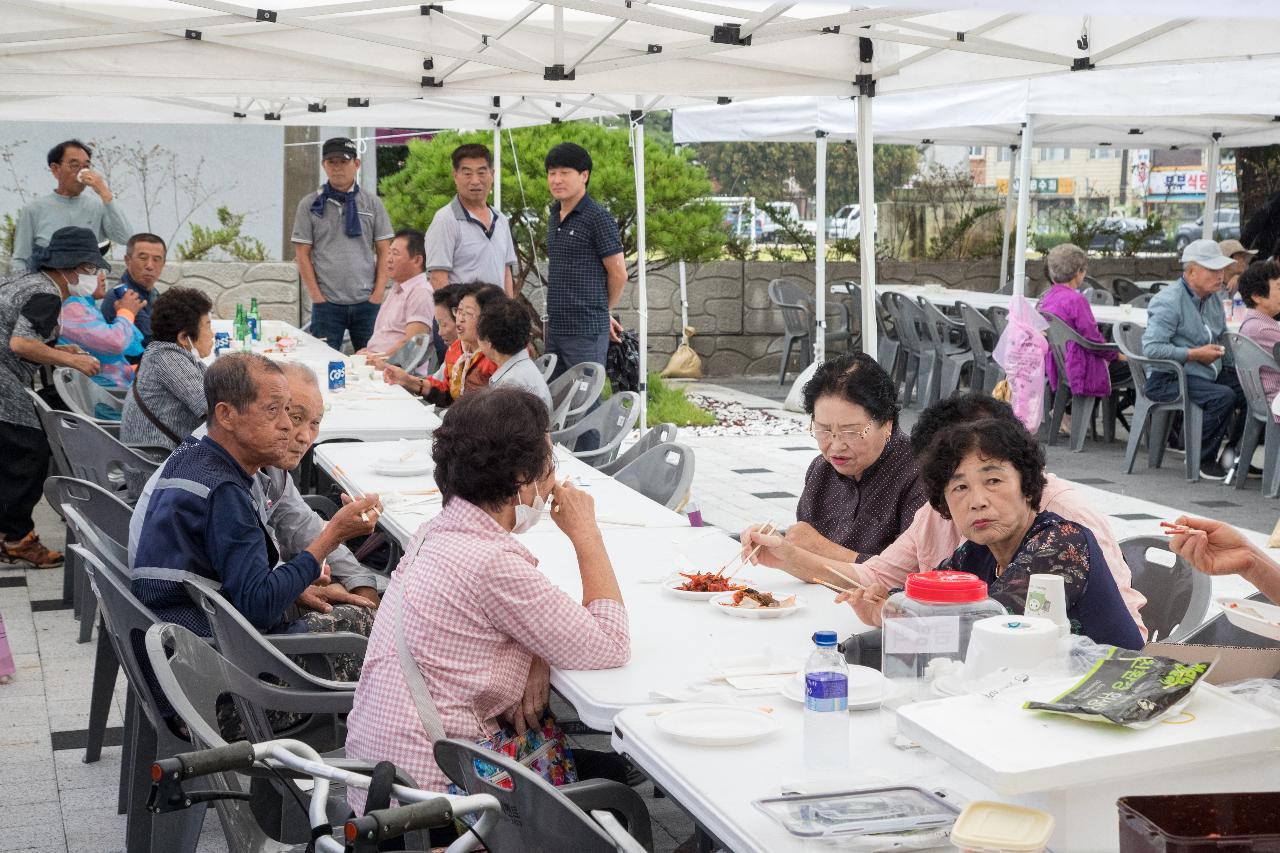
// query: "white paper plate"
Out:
[414,466]
[670,584]
[717,725]
[1252,616]
[753,613]
[866,688]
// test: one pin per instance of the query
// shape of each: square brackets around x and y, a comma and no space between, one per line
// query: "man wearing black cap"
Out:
[29,306]
[585,271]
[341,234]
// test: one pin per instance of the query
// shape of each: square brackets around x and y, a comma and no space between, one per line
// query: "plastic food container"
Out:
[871,812]
[1198,823]
[986,827]
[926,632]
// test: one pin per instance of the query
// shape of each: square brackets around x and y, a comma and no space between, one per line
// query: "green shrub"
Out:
[668,404]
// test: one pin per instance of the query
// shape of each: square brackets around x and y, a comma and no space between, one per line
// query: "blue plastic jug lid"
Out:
[825,638]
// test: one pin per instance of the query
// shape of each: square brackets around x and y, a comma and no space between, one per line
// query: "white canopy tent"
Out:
[1204,105]
[171,59]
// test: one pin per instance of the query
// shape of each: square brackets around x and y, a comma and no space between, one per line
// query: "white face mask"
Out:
[528,516]
[84,285]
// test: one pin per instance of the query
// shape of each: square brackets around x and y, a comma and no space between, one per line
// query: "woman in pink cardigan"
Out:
[1088,373]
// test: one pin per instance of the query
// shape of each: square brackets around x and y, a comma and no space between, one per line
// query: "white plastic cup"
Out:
[1047,596]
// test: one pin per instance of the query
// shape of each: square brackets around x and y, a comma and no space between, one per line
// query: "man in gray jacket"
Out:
[286,516]
[1185,324]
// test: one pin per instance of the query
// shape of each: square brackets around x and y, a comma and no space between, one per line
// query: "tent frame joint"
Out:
[429,82]
[358,102]
[729,34]
[556,73]
[426,9]
[267,15]
[1082,63]
[193,35]
[866,84]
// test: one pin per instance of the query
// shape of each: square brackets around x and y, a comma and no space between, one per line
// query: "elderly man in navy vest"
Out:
[203,519]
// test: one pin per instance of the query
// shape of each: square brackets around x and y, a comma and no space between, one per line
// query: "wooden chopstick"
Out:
[831,586]
[337,469]
[768,528]
[851,581]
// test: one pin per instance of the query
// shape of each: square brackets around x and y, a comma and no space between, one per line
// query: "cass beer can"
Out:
[337,375]
[221,341]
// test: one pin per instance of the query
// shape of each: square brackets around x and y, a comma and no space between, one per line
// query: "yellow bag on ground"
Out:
[684,362]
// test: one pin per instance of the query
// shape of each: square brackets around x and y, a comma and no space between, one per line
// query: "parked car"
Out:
[1226,226]
[847,223]
[1112,231]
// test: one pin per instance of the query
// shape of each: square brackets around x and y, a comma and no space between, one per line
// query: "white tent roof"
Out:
[379,49]
[1135,108]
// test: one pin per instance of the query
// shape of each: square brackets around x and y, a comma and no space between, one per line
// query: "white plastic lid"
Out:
[1002,828]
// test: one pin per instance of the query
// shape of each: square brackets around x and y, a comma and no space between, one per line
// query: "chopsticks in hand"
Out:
[354,492]
[853,584]
[768,530]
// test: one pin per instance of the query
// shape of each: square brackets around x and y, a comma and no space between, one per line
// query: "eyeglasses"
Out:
[469,313]
[848,436]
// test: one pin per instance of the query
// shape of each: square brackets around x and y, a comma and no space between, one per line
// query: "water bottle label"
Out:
[921,635]
[826,691]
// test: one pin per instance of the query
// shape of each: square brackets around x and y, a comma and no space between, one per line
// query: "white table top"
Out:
[368,409]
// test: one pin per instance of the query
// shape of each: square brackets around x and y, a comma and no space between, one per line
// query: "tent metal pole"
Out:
[1024,212]
[642,292]
[1008,219]
[867,216]
[684,297]
[368,177]
[1211,155]
[497,164]
[820,252]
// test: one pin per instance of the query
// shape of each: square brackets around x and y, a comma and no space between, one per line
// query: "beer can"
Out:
[120,290]
[221,341]
[337,375]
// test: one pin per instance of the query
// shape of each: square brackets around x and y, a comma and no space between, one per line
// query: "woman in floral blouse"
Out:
[987,476]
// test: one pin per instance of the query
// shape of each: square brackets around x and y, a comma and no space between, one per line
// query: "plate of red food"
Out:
[751,603]
[700,586]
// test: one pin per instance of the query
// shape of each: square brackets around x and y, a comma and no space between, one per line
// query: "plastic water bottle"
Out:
[826,706]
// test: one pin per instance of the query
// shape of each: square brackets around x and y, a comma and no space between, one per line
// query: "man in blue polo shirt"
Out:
[585,270]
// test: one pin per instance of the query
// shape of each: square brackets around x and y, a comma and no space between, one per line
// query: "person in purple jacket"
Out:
[1088,373]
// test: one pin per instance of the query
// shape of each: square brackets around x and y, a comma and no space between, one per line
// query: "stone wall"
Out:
[275,285]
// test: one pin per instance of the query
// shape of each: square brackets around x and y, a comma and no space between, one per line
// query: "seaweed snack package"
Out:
[1129,689]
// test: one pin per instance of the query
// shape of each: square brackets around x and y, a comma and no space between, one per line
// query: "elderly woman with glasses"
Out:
[466,367]
[864,488]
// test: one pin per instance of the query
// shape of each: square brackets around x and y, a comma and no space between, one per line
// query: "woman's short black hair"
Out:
[491,443]
[484,294]
[505,324]
[953,411]
[451,294]
[856,377]
[1255,282]
[993,439]
[178,309]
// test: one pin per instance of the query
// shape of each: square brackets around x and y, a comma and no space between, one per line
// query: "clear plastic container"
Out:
[1200,823]
[876,812]
[926,633]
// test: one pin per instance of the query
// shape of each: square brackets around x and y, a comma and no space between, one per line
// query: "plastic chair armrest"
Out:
[606,794]
[338,642]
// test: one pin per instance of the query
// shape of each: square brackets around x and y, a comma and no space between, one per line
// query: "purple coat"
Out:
[1087,372]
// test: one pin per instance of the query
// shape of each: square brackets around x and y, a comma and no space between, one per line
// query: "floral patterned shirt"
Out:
[1055,546]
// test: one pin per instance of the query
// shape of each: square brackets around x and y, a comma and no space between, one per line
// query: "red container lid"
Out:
[945,587]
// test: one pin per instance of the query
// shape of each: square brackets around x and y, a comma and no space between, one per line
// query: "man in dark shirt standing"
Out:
[586,273]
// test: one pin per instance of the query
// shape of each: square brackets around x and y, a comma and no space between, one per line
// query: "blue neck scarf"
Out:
[350,216]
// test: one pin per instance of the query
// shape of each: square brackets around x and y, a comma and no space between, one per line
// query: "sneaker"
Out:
[1212,471]
[30,550]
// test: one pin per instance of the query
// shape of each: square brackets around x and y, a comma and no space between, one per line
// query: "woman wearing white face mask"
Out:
[479,622]
[83,325]
[167,400]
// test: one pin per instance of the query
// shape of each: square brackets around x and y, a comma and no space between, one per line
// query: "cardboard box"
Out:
[1234,663]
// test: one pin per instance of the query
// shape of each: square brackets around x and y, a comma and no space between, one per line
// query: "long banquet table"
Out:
[368,409]
[677,643]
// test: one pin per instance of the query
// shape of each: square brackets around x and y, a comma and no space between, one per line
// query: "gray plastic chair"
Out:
[193,675]
[918,359]
[541,818]
[655,436]
[888,343]
[797,309]
[1098,296]
[1177,595]
[662,473]
[574,392]
[1155,417]
[612,421]
[413,353]
[1142,300]
[547,364]
[948,339]
[1251,360]
[999,315]
[99,457]
[148,737]
[83,395]
[982,337]
[43,411]
[1082,406]
[1125,289]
